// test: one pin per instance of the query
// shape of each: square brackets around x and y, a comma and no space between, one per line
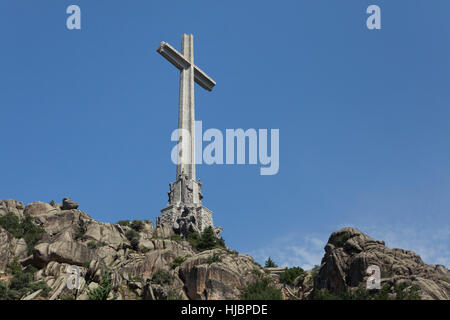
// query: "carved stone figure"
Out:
[171,192]
[200,194]
[189,191]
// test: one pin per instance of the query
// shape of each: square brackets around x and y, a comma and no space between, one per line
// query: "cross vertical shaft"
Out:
[186,115]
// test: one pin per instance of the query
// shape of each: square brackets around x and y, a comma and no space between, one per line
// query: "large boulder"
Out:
[38,208]
[69,204]
[223,279]
[69,252]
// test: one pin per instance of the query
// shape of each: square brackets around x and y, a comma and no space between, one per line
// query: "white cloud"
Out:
[433,245]
[292,250]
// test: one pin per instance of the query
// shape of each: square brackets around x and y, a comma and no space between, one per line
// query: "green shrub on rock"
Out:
[207,240]
[104,288]
[11,223]
[177,262]
[96,244]
[387,292]
[270,263]
[322,294]
[173,295]
[289,275]
[3,291]
[21,283]
[31,233]
[25,229]
[261,290]
[137,225]
[162,277]
[124,223]
[133,237]
[402,292]
[176,237]
[81,230]
[214,258]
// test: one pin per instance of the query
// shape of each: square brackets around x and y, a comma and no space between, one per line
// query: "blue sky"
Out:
[363,115]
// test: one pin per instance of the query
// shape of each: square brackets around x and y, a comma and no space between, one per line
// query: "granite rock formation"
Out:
[72,238]
[349,253]
[163,265]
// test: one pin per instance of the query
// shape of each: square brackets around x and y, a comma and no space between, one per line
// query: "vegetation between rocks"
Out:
[21,284]
[270,263]
[176,237]
[25,229]
[387,292]
[123,223]
[136,225]
[81,230]
[261,290]
[104,289]
[133,236]
[290,275]
[173,295]
[96,244]
[162,277]
[207,240]
[214,258]
[177,262]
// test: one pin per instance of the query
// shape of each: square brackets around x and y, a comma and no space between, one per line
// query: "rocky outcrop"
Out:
[161,265]
[38,208]
[349,253]
[72,238]
[13,206]
[222,279]
[10,248]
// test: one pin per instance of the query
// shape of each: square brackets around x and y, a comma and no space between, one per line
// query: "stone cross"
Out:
[185,212]
[189,73]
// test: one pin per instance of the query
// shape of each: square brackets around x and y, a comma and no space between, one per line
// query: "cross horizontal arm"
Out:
[203,80]
[178,60]
[174,57]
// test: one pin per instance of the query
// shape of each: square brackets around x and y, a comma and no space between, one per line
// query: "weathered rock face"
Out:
[10,248]
[73,238]
[69,204]
[13,206]
[349,253]
[38,208]
[217,280]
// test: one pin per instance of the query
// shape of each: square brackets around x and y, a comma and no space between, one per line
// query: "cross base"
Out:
[186,219]
[185,191]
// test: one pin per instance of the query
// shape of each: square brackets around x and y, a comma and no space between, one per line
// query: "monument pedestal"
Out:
[185,212]
[187,218]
